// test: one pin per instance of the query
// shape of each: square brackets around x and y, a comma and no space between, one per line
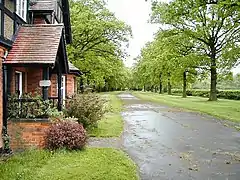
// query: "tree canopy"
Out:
[99,43]
[213,24]
[198,37]
[169,59]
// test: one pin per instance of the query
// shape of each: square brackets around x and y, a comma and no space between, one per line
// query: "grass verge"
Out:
[224,109]
[92,163]
[112,124]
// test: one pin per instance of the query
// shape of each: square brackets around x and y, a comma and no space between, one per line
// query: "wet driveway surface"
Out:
[169,144]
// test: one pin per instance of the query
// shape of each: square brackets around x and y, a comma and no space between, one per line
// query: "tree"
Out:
[171,58]
[99,41]
[96,30]
[183,57]
[214,24]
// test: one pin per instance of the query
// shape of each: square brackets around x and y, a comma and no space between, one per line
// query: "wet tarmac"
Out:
[171,144]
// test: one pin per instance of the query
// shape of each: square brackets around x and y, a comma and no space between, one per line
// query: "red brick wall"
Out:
[39,20]
[1,95]
[52,91]
[33,78]
[27,134]
[70,84]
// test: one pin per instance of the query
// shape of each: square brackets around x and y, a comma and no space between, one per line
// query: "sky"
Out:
[136,14]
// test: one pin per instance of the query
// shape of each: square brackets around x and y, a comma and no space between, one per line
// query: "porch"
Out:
[26,85]
[26,96]
[33,73]
[36,63]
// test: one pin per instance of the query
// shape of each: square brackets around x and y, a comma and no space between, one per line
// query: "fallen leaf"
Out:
[193,168]
[226,125]
[237,128]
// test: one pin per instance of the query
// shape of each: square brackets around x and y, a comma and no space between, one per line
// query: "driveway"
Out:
[171,144]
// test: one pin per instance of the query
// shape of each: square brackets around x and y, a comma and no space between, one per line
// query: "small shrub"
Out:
[224,94]
[66,134]
[87,108]
[30,106]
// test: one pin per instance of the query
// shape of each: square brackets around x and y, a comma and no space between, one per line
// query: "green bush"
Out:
[88,108]
[201,93]
[30,106]
[235,95]
[223,94]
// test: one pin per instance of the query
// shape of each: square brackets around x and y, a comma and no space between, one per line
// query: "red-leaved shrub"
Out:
[67,134]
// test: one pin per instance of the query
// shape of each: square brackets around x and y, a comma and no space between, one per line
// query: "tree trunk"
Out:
[169,84]
[81,85]
[144,88]
[99,88]
[160,84]
[213,90]
[152,88]
[184,95]
[106,87]
[165,89]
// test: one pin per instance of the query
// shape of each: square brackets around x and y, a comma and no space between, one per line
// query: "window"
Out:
[19,83]
[64,87]
[21,9]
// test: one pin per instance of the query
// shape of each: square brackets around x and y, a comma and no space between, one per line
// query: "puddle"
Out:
[127,96]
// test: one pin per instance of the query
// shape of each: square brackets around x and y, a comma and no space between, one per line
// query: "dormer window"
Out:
[21,9]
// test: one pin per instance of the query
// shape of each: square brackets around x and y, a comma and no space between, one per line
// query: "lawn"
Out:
[224,109]
[92,163]
[112,124]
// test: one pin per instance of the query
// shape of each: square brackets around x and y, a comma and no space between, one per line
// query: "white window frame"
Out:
[21,10]
[20,82]
[63,88]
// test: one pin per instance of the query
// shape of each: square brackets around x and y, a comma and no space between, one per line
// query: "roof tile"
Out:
[36,44]
[73,69]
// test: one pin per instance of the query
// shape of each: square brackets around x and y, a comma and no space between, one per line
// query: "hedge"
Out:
[224,94]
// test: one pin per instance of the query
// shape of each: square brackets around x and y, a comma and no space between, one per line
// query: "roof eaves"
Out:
[63,45]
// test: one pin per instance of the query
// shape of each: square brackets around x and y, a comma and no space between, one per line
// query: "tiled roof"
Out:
[36,44]
[74,69]
[42,5]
